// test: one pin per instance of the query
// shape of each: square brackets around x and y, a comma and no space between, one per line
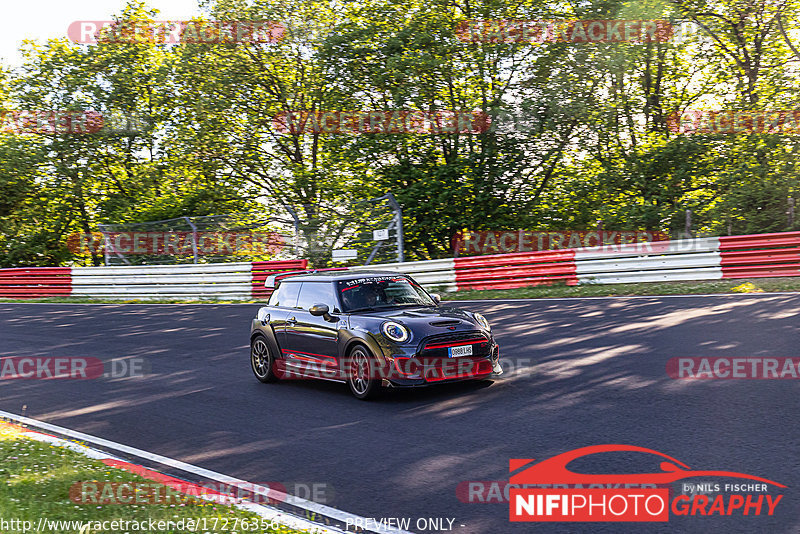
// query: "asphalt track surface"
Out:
[587,372]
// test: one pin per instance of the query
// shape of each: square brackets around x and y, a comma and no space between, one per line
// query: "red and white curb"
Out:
[266,512]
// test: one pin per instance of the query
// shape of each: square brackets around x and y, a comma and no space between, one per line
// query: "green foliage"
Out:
[39,479]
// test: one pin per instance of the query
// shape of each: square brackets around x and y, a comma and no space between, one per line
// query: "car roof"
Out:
[335,276]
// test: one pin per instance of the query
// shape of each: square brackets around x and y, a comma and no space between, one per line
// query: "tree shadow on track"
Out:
[579,373]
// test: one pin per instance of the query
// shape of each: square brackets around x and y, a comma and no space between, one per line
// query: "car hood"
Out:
[423,321]
[411,314]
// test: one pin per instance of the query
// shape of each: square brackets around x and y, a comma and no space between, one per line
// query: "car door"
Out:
[283,304]
[312,343]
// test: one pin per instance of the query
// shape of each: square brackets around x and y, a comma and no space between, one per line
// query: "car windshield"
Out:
[382,292]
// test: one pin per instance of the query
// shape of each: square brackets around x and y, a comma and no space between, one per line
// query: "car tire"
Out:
[262,362]
[361,376]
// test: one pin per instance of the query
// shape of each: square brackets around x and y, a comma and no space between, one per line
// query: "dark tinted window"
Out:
[285,295]
[382,292]
[316,293]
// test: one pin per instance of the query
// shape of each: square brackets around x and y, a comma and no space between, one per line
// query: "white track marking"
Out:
[266,512]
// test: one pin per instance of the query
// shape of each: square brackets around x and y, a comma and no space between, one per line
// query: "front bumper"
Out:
[405,368]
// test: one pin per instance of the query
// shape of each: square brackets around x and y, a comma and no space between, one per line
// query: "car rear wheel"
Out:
[261,360]
[361,376]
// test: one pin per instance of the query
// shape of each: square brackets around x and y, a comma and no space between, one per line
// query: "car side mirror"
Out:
[436,298]
[319,310]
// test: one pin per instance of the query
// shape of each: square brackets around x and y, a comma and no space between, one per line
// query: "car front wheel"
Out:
[261,360]
[362,377]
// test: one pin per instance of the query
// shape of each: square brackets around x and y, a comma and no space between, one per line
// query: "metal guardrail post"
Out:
[688,224]
[296,220]
[399,215]
[106,249]
[194,237]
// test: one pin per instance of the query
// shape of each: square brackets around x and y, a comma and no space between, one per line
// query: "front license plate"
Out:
[463,350]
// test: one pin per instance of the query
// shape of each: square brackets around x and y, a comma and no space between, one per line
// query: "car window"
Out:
[316,293]
[286,295]
[382,292]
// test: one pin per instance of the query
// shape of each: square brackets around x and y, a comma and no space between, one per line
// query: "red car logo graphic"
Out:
[554,470]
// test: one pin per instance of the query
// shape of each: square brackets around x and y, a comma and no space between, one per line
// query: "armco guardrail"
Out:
[214,280]
[758,256]
[710,258]
[262,269]
[229,281]
[519,269]
[35,282]
[660,261]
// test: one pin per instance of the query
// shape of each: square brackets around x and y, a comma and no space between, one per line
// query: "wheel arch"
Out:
[269,335]
[366,340]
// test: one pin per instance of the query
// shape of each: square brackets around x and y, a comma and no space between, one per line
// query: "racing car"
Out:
[369,329]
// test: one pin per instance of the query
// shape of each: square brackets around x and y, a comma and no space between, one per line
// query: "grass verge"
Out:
[760,285]
[37,477]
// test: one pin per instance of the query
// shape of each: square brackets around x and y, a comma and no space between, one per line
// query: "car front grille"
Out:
[433,362]
[437,346]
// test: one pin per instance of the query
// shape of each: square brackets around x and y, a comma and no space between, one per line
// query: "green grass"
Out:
[35,479]
[767,285]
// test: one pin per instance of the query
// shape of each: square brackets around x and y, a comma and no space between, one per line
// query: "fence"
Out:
[365,231]
[250,236]
[228,281]
[711,258]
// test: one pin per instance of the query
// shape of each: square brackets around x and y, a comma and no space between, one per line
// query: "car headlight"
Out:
[482,321]
[395,331]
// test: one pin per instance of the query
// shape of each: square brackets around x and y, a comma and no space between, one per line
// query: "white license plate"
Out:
[463,350]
